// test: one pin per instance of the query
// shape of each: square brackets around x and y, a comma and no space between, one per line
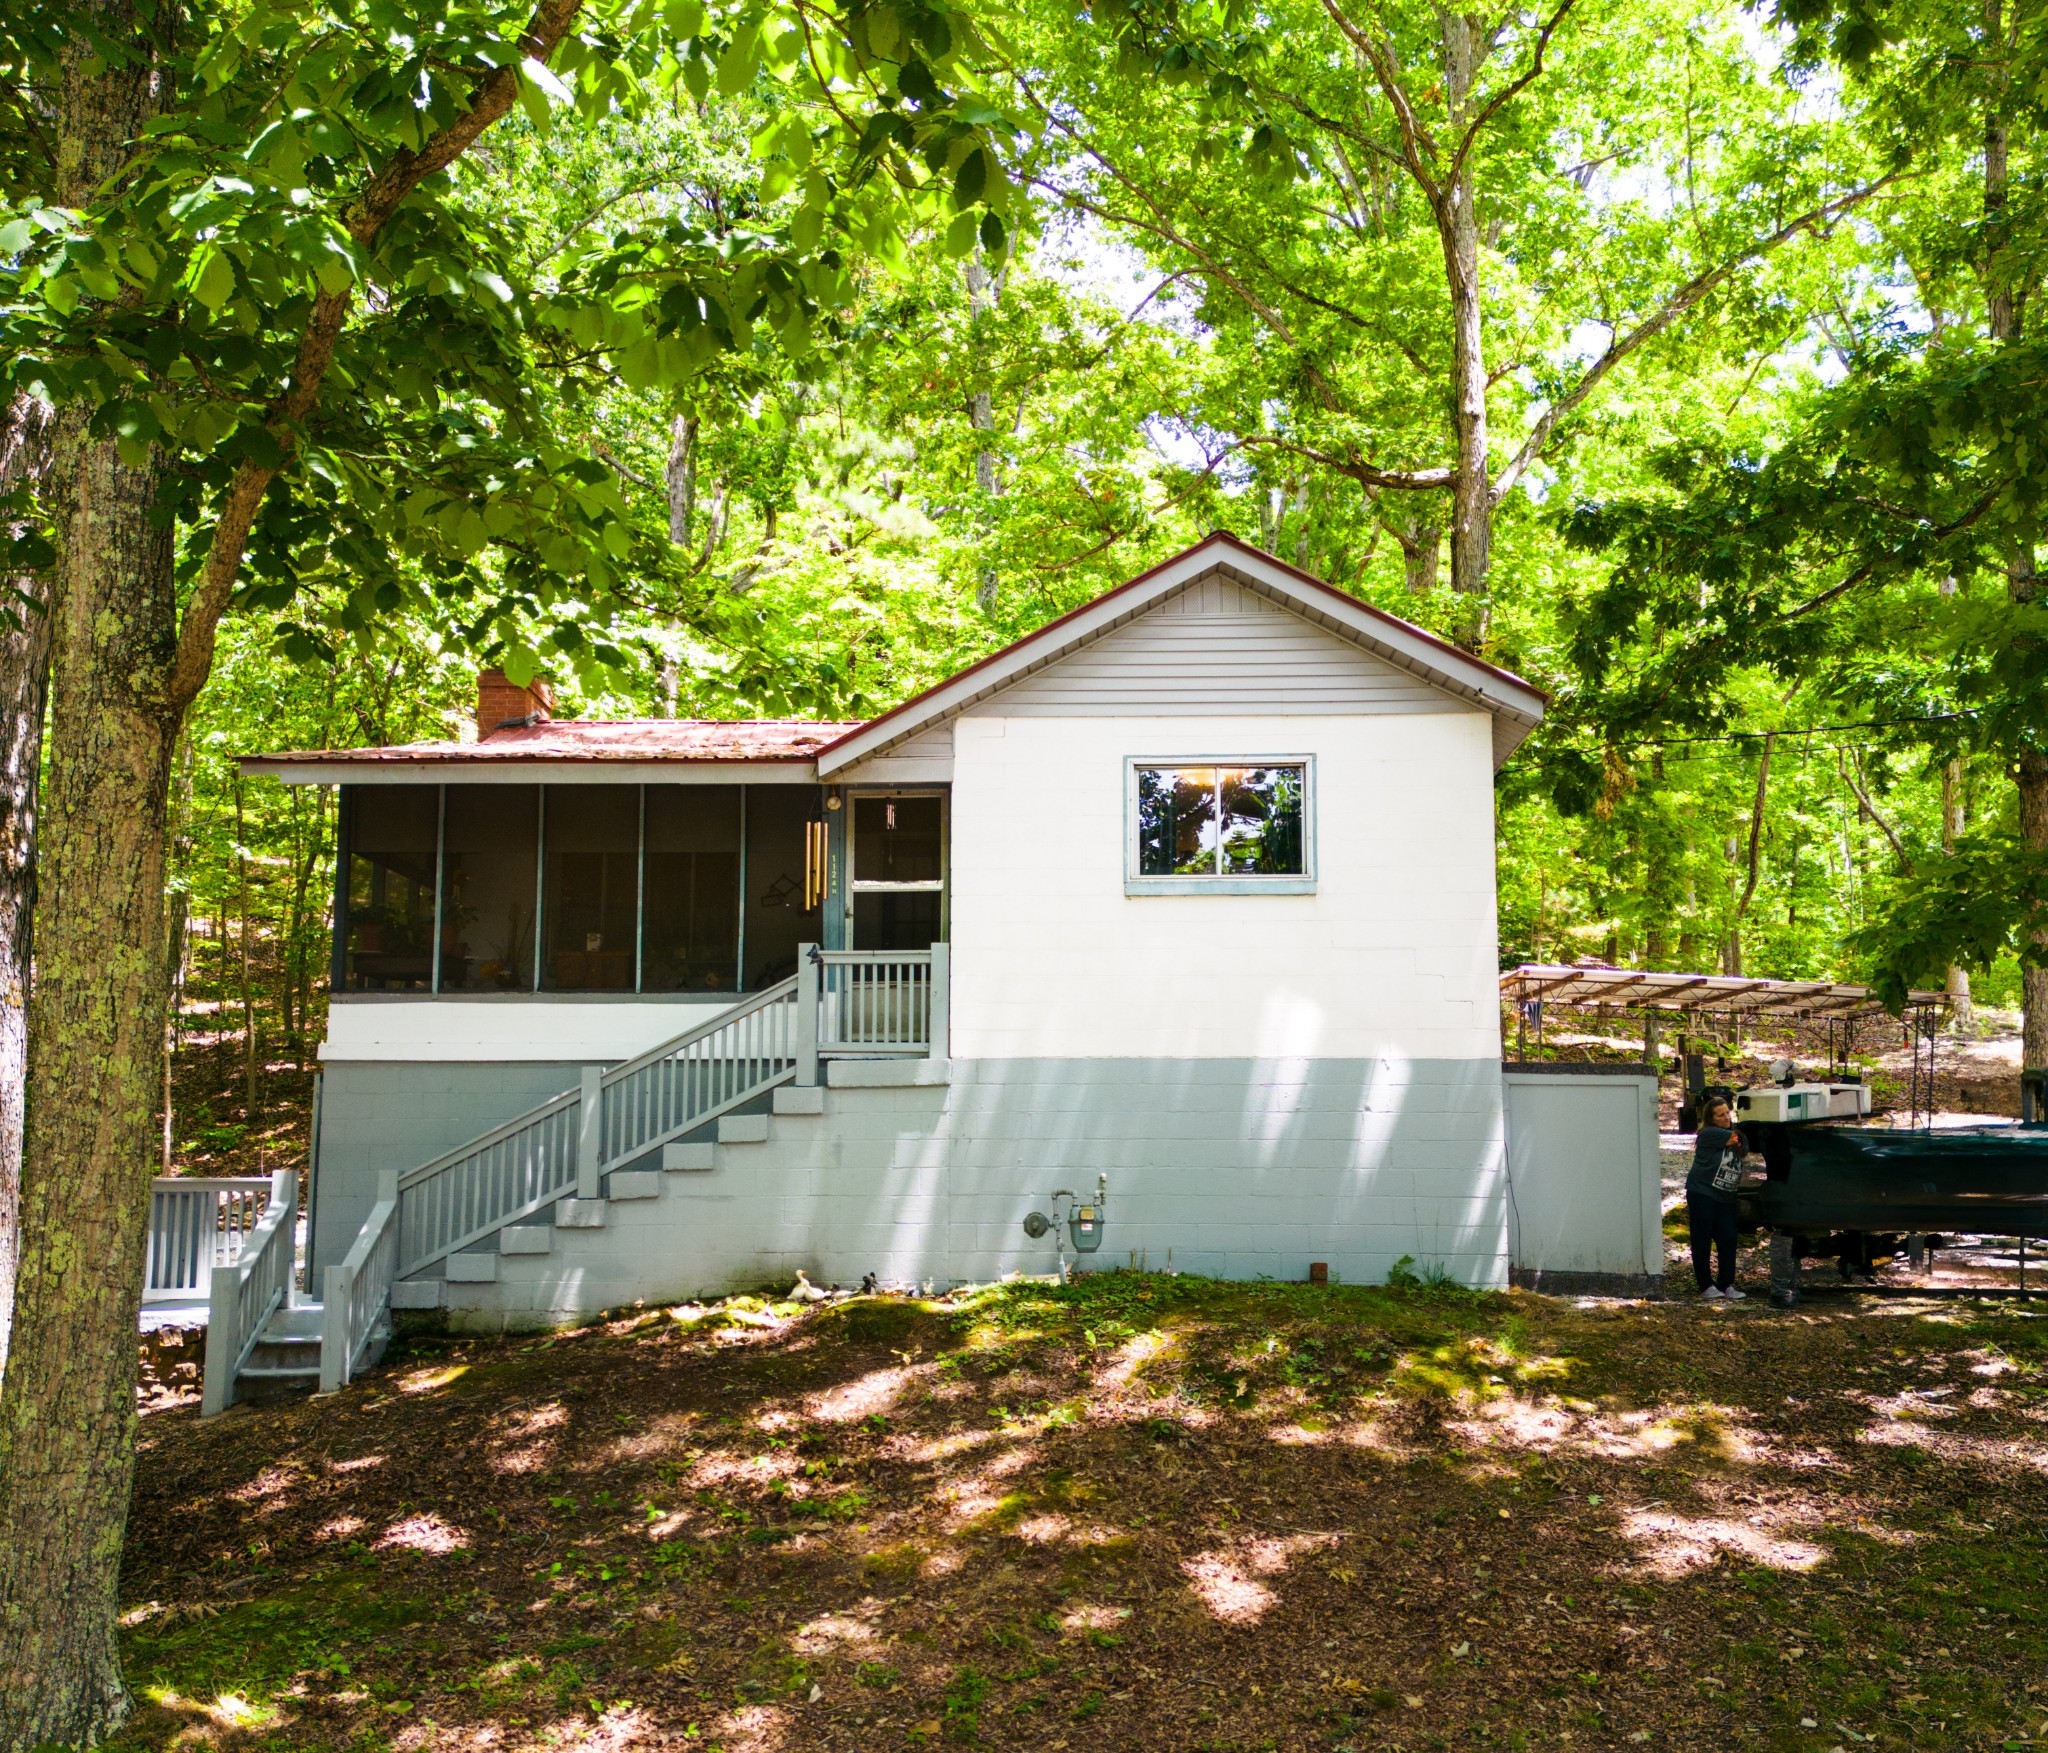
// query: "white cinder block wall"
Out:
[1395,952]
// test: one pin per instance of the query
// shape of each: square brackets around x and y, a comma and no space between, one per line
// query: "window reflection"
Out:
[1176,821]
[1221,821]
[1262,821]
[896,840]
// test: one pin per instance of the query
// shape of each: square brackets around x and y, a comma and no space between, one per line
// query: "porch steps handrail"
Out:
[355,1295]
[245,1293]
[563,1147]
[882,1001]
[197,1222]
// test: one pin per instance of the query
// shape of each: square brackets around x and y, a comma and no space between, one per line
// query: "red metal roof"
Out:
[627,739]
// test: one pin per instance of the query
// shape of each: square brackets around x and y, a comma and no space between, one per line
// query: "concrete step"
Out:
[635,1184]
[800,1099]
[582,1214]
[472,1268]
[743,1129]
[689,1159]
[416,1293]
[305,1321]
[526,1238]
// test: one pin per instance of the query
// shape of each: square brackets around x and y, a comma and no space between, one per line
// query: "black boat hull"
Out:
[1981,1181]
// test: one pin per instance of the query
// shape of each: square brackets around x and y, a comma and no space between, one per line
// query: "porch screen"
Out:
[489,887]
[393,846]
[692,931]
[590,890]
[1217,821]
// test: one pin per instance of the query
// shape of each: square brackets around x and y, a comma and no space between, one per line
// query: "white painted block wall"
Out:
[1395,953]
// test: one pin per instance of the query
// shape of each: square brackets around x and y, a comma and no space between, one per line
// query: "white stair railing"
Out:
[564,1148]
[880,1001]
[197,1222]
[245,1293]
[354,1294]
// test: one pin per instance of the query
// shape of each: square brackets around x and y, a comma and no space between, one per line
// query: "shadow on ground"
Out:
[1139,1512]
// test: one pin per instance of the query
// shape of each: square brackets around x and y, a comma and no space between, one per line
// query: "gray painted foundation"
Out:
[1236,1168]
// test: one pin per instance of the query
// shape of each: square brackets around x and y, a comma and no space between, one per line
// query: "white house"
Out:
[1182,906]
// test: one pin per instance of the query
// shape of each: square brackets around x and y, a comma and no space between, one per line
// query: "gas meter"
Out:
[1084,1222]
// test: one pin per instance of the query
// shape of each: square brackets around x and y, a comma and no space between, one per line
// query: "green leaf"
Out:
[14,236]
[960,236]
[335,274]
[993,235]
[806,229]
[737,65]
[972,179]
[214,284]
[884,35]
[544,76]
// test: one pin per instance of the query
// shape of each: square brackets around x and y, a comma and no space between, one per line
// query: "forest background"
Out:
[1725,263]
[780,356]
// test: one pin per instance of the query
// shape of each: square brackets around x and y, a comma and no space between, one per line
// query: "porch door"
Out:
[896,895]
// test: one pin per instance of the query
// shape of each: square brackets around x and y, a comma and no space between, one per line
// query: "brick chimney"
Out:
[498,700]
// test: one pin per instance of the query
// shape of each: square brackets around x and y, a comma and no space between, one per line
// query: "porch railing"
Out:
[565,1147]
[354,1294]
[249,1290]
[882,1001]
[197,1222]
[838,1002]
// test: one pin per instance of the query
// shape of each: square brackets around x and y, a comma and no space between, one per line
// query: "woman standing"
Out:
[1710,1201]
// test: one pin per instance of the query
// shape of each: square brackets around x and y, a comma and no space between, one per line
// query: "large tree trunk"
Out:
[1457,222]
[95,1020]
[24,673]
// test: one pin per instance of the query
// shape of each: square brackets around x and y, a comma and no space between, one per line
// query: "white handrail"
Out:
[549,1153]
[197,1222]
[354,1294]
[243,1295]
[875,1001]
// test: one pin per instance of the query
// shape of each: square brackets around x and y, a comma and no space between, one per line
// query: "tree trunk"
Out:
[682,479]
[1421,552]
[1457,222]
[24,676]
[249,1044]
[1953,822]
[96,1029]
[982,291]
[95,1011]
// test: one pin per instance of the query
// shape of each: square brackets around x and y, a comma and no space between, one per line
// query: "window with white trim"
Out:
[1240,823]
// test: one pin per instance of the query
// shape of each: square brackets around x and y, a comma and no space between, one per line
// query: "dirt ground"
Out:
[1137,1512]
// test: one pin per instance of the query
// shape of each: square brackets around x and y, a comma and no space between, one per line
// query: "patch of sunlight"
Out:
[427,1534]
[946,1448]
[728,1469]
[357,1465]
[425,1381]
[752,1728]
[340,1528]
[830,1632]
[1133,1356]
[227,1710]
[1669,1544]
[874,1392]
[1043,1530]
[620,1727]
[1302,1434]
[140,1614]
[268,1483]
[1227,1579]
[1094,1619]
[944,1562]
[1987,1452]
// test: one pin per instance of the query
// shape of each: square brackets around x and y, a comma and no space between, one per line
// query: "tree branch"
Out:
[1509,92]
[1676,306]
[365,219]
[1415,138]
[1854,782]
[1756,824]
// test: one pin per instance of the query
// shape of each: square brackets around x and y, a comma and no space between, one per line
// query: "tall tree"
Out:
[273,317]
[1407,220]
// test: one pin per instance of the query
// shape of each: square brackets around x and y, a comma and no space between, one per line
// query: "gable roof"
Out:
[1516,705]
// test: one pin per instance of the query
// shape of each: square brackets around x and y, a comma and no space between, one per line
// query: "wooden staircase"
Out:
[564,1165]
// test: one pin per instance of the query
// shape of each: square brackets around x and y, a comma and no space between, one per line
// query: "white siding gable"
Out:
[1216,648]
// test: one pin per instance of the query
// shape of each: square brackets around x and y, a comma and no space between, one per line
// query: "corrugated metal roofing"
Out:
[575,739]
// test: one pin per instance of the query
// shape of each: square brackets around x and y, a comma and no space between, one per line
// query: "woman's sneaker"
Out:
[1731,1295]
[1710,1295]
